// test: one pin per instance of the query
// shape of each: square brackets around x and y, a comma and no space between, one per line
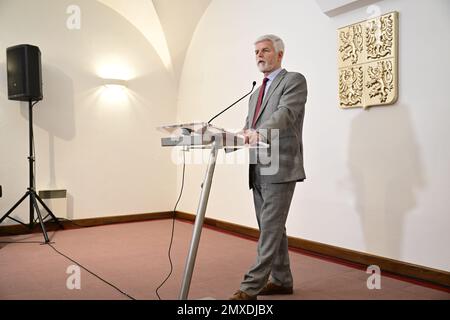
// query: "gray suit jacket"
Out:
[283,108]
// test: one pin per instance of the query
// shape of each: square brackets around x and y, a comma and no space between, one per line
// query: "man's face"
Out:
[267,59]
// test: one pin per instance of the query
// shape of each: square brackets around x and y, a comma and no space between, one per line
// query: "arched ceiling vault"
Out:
[168,25]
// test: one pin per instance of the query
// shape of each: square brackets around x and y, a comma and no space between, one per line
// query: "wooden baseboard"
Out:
[357,258]
[17,229]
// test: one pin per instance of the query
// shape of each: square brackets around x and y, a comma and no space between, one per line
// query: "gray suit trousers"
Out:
[272,202]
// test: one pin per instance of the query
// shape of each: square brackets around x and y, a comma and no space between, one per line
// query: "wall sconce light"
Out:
[114,91]
[114,83]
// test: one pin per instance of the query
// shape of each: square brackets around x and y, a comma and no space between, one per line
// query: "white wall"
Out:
[377,181]
[101,147]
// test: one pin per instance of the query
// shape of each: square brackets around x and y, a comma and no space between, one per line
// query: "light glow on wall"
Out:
[114,95]
[114,73]
[114,68]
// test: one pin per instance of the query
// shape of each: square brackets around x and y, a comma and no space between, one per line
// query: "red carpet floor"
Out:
[133,257]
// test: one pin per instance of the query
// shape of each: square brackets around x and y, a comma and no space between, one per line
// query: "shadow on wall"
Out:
[55,115]
[386,170]
[3,81]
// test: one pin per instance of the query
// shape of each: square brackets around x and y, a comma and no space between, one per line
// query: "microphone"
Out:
[253,87]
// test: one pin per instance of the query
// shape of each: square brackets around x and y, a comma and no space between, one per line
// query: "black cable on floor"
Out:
[72,260]
[92,273]
[173,228]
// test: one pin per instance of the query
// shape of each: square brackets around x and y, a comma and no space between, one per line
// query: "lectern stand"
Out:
[205,136]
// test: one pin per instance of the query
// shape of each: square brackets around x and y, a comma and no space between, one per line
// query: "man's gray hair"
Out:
[278,44]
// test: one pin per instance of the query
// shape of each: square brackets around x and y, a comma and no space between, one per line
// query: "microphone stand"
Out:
[253,87]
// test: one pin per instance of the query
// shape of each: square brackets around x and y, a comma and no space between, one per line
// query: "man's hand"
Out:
[251,137]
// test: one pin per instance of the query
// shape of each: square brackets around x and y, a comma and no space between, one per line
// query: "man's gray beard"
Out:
[261,67]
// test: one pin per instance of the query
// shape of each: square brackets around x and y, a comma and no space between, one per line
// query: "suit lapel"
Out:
[272,88]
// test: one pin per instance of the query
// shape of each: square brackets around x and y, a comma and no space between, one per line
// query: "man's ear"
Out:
[280,55]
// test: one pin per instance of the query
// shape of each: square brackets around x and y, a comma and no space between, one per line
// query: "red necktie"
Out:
[260,100]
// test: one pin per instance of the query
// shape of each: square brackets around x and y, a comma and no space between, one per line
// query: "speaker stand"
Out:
[31,190]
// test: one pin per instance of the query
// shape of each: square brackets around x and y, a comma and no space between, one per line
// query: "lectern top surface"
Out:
[189,128]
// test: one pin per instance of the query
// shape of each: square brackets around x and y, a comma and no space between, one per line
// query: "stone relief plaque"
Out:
[367,62]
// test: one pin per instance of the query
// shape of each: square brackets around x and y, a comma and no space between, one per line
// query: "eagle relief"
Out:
[367,62]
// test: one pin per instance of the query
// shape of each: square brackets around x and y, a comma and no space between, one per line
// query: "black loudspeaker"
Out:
[24,73]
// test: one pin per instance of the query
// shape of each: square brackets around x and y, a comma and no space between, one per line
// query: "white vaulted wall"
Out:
[377,181]
[100,145]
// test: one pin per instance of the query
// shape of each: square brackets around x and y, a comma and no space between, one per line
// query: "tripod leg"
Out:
[48,210]
[41,221]
[15,206]
[31,225]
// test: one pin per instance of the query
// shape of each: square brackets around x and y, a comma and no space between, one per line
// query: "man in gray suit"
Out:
[275,115]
